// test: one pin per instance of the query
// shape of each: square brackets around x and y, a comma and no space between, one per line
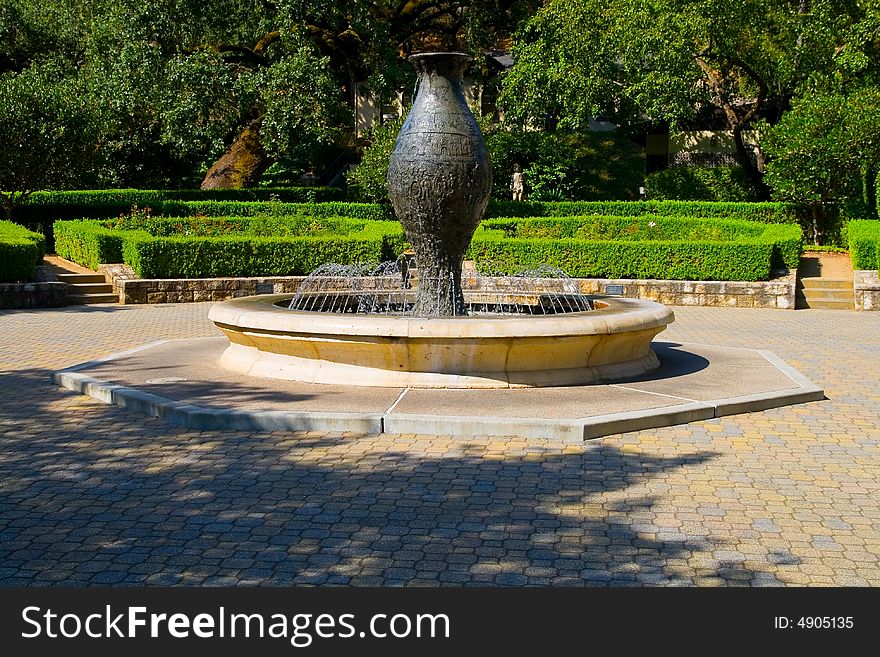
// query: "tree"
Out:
[673,59]
[46,135]
[181,85]
[824,149]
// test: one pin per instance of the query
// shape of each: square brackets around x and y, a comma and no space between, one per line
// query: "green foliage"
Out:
[170,84]
[41,209]
[577,59]
[235,208]
[784,240]
[87,243]
[824,152]
[621,228]
[20,252]
[670,60]
[145,197]
[567,166]
[163,247]
[864,244]
[368,180]
[46,138]
[779,213]
[728,184]
[226,246]
[725,261]
[825,248]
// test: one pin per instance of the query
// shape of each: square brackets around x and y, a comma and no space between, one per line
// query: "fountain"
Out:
[439,328]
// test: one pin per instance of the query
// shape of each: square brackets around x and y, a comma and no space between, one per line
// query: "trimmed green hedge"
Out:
[771,213]
[785,239]
[20,251]
[181,257]
[258,226]
[642,247]
[732,261]
[247,209]
[143,197]
[233,246]
[88,242]
[195,247]
[864,244]
[775,213]
[42,209]
[112,203]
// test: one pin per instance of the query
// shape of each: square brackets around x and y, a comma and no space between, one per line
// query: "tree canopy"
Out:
[163,92]
[173,85]
[637,60]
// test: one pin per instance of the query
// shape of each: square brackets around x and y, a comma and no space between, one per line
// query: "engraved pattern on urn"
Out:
[439,180]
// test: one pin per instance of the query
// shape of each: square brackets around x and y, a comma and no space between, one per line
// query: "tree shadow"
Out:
[95,495]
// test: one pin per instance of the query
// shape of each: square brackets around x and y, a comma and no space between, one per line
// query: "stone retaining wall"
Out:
[778,293]
[866,286]
[33,295]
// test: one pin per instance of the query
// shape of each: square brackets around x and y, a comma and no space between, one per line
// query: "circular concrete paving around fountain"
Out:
[182,382]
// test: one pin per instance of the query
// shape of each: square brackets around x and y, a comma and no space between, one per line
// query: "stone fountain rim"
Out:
[261,313]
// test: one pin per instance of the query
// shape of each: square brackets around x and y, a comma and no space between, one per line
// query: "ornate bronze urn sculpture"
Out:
[439,180]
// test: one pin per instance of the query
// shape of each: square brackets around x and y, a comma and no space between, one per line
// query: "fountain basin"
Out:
[611,342]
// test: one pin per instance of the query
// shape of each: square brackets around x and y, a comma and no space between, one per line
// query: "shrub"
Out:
[584,246]
[88,243]
[227,246]
[726,184]
[20,251]
[864,244]
[43,208]
[146,197]
[782,242]
[738,261]
[567,165]
[246,208]
[367,181]
[774,213]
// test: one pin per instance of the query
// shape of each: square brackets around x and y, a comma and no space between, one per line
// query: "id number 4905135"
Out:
[813,622]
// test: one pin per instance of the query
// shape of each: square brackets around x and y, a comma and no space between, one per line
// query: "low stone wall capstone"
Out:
[778,293]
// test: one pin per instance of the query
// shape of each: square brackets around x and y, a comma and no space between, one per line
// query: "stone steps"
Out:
[825,293]
[79,279]
[81,299]
[84,287]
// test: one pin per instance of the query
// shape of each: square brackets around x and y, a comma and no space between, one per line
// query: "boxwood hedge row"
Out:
[596,246]
[156,250]
[41,209]
[786,239]
[773,213]
[749,260]
[782,213]
[20,252]
[864,244]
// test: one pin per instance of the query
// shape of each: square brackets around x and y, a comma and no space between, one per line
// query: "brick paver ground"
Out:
[93,494]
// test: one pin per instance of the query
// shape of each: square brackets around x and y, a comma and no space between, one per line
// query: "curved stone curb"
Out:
[202,418]
[680,411]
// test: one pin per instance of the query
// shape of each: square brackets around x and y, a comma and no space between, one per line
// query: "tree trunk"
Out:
[751,167]
[243,163]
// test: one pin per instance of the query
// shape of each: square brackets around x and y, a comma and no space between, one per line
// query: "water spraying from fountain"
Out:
[436,325]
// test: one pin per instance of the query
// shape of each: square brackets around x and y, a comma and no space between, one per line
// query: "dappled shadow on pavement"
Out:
[92,494]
